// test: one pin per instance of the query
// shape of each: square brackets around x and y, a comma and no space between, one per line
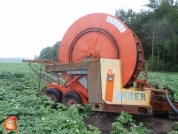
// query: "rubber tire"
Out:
[71,95]
[57,94]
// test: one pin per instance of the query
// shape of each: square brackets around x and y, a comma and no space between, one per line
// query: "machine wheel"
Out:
[54,94]
[71,98]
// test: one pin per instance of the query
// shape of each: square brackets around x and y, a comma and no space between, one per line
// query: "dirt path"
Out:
[158,125]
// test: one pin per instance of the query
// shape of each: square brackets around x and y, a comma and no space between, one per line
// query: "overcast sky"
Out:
[27,26]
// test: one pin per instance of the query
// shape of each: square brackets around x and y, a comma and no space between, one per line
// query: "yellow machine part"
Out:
[112,91]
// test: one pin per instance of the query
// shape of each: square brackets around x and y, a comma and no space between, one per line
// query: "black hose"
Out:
[170,104]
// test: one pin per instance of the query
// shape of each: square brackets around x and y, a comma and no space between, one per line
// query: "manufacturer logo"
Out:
[137,96]
[116,23]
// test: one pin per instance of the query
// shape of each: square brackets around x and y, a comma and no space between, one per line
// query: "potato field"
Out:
[37,114]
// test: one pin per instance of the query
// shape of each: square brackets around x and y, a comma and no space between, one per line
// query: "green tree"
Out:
[157,29]
[49,52]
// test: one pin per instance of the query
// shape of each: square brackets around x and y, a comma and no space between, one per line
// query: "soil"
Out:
[157,125]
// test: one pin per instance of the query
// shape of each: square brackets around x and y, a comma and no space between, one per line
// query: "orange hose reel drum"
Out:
[102,35]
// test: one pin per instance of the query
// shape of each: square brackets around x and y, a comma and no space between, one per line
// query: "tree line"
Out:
[50,52]
[157,29]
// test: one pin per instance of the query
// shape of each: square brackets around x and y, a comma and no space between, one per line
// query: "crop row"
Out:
[37,114]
